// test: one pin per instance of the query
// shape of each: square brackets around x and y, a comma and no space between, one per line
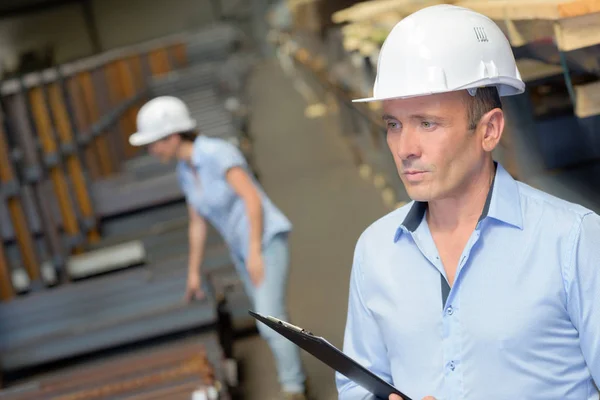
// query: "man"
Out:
[482,287]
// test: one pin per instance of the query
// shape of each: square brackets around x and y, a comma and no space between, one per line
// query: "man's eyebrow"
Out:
[414,116]
[428,117]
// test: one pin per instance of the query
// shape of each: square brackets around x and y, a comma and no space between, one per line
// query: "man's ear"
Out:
[492,124]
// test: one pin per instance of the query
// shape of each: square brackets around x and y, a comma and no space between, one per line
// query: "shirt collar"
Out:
[502,204]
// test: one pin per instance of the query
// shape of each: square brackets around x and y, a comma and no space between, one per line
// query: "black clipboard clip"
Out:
[331,356]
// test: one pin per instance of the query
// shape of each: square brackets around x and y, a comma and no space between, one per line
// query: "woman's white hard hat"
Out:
[445,48]
[159,118]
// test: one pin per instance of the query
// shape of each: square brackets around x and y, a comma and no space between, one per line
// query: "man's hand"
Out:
[396,397]
[256,268]
[193,288]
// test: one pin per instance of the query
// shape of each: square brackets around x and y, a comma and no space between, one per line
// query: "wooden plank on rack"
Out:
[577,8]
[532,9]
[576,23]
[367,10]
[65,133]
[587,100]
[532,70]
[578,32]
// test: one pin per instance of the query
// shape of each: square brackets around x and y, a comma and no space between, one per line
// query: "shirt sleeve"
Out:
[583,291]
[363,341]
[225,156]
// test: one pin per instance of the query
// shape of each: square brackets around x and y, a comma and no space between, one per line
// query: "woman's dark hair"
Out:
[188,136]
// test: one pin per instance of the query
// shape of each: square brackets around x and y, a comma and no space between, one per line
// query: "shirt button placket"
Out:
[451,351]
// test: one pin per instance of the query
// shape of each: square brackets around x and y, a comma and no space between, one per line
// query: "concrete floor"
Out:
[307,170]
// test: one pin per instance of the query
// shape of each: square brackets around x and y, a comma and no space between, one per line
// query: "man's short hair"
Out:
[484,101]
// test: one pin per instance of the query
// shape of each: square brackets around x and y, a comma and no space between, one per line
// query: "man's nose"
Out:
[408,144]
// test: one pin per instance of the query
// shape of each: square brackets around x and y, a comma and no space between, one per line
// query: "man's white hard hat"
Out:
[445,48]
[159,118]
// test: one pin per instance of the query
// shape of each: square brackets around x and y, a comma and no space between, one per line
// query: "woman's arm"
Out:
[243,185]
[197,240]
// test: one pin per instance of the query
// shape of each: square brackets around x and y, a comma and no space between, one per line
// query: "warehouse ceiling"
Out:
[9,8]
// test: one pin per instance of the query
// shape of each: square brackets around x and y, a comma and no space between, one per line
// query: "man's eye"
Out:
[393,125]
[427,124]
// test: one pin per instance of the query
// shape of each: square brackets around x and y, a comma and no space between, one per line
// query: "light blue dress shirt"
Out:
[211,195]
[522,320]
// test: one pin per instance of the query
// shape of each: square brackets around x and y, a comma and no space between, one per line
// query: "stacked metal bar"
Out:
[168,371]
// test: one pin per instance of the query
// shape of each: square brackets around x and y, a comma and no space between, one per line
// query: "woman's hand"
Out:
[193,289]
[256,268]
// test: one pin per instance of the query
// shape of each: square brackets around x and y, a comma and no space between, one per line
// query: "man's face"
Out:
[165,149]
[435,153]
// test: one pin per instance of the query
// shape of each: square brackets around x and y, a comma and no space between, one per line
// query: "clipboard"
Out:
[331,356]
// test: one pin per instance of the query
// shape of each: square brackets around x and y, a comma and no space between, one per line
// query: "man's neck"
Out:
[465,208]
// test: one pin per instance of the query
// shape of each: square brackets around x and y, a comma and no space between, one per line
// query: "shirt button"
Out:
[450,310]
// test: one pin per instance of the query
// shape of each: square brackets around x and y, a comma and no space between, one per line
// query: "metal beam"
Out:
[35,7]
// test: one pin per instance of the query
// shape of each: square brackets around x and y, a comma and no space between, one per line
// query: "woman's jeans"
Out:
[270,299]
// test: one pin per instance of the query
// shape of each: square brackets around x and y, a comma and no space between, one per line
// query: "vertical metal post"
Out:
[159,62]
[34,176]
[73,161]
[81,122]
[103,78]
[99,140]
[7,291]
[52,153]
[179,54]
[567,76]
[128,87]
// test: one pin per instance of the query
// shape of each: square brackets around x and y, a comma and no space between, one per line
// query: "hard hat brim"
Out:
[145,138]
[506,87]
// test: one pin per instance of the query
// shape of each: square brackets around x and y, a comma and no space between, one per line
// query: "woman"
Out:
[220,189]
